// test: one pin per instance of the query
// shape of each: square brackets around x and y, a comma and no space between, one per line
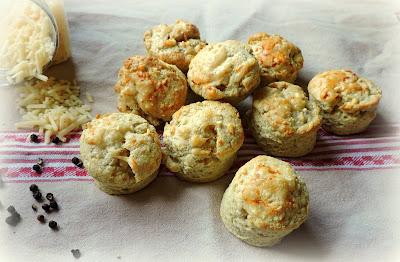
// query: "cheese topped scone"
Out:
[348,102]
[279,59]
[201,141]
[265,201]
[174,44]
[121,151]
[150,88]
[283,121]
[225,71]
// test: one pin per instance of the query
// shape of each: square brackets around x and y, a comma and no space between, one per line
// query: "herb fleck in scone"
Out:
[174,44]
[201,141]
[225,71]
[150,88]
[348,102]
[283,121]
[264,202]
[121,151]
[279,59]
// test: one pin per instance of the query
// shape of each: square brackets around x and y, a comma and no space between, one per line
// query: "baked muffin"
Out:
[201,141]
[174,44]
[121,152]
[264,202]
[348,102]
[279,59]
[283,121]
[150,88]
[225,71]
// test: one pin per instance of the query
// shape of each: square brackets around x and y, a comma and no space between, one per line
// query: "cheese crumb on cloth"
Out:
[52,107]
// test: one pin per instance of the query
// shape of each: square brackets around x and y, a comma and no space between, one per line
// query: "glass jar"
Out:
[34,36]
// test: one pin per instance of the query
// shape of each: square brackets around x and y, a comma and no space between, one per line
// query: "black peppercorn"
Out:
[14,219]
[11,209]
[76,253]
[34,188]
[53,204]
[76,161]
[37,168]
[41,218]
[34,138]
[56,140]
[34,207]
[46,207]
[37,195]
[50,196]
[53,225]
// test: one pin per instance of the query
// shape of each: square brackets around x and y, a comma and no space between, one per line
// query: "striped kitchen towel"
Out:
[377,148]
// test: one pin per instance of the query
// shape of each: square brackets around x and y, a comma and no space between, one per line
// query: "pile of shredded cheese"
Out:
[52,107]
[26,47]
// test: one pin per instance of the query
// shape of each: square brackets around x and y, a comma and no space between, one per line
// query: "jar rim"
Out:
[55,37]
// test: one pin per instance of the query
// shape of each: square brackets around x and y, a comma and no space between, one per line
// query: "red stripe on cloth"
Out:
[355,150]
[22,153]
[19,149]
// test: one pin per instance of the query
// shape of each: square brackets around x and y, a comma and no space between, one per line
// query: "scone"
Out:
[348,102]
[121,151]
[150,88]
[201,141]
[264,202]
[225,71]
[174,44]
[283,121]
[279,59]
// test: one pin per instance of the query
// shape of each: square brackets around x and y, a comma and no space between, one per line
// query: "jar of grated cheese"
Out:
[34,35]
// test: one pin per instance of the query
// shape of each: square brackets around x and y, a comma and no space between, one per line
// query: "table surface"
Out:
[353,181]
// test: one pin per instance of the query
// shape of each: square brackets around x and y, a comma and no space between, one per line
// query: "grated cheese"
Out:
[27,45]
[53,108]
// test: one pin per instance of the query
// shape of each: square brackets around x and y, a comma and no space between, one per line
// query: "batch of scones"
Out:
[266,200]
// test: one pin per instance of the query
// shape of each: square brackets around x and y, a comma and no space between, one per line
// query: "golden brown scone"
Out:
[225,71]
[283,121]
[201,141]
[348,102]
[264,202]
[279,59]
[174,44]
[121,151]
[151,88]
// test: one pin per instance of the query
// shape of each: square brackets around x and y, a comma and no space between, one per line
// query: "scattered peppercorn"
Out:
[40,162]
[50,196]
[54,205]
[46,207]
[76,253]
[34,138]
[56,140]
[11,209]
[53,225]
[41,218]
[76,161]
[34,188]
[34,207]
[37,195]
[37,168]
[14,218]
